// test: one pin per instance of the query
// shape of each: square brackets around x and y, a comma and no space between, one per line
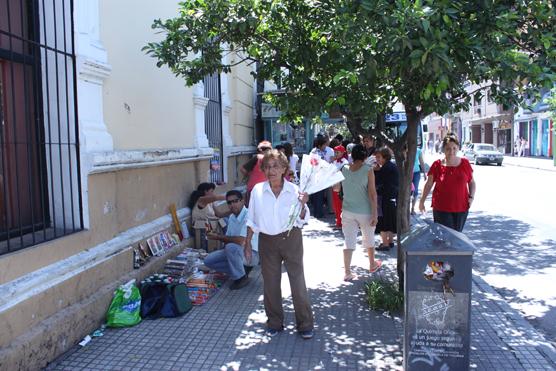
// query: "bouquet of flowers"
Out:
[315,175]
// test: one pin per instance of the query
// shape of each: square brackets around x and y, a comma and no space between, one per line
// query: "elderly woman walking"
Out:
[268,213]
[359,209]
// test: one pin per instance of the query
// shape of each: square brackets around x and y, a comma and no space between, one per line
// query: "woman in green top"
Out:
[359,210]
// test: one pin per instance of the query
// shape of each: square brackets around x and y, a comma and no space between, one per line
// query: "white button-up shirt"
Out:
[269,214]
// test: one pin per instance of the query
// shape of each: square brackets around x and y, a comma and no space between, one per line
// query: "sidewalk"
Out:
[541,163]
[227,333]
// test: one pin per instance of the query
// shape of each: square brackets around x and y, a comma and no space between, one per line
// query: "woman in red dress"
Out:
[454,186]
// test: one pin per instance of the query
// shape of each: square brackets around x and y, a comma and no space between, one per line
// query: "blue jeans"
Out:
[228,260]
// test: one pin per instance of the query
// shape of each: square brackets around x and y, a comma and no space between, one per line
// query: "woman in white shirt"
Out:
[293,160]
[268,215]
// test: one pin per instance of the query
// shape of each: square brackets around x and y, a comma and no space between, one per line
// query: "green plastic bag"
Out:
[125,309]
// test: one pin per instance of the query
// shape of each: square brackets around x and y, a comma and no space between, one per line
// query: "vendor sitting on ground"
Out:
[203,210]
[231,259]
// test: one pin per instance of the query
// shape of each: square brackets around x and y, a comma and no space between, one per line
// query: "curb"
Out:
[543,346]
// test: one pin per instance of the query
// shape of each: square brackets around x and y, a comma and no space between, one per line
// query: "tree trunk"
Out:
[405,163]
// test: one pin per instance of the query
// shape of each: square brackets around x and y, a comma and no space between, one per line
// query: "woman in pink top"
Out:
[253,170]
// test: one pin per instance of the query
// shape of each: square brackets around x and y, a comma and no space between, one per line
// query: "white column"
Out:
[200,102]
[92,70]
[227,141]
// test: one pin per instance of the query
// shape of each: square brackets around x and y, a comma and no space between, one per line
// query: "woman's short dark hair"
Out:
[199,192]
[334,143]
[358,153]
[288,149]
[450,138]
[385,152]
[319,141]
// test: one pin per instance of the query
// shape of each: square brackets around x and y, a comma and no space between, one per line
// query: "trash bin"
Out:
[437,292]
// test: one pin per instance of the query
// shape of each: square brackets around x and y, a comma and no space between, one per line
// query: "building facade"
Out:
[534,124]
[487,122]
[96,143]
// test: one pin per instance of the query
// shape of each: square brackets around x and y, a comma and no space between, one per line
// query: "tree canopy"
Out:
[361,56]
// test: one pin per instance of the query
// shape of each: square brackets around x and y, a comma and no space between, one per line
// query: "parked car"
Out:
[483,153]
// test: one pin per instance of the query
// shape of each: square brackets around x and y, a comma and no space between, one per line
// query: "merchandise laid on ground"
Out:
[227,332]
[184,282]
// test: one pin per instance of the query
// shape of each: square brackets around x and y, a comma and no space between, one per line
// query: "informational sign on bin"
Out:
[437,266]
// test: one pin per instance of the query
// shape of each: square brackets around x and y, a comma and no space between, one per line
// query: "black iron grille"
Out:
[40,197]
[213,126]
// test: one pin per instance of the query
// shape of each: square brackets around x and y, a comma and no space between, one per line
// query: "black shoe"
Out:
[248,270]
[382,247]
[240,283]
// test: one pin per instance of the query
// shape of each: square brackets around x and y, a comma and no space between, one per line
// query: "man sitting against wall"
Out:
[231,259]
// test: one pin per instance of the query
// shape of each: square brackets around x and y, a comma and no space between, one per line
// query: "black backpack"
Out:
[164,300]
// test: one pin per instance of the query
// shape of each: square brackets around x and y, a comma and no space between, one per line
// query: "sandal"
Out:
[377,266]
[349,277]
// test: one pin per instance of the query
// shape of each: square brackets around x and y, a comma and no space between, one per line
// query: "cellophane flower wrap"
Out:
[315,175]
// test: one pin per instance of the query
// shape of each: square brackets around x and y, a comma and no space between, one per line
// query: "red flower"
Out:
[314,161]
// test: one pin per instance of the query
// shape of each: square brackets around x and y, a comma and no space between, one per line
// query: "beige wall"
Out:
[117,201]
[242,99]
[144,106]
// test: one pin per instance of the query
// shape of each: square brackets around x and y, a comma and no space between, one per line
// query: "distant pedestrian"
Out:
[317,199]
[418,168]
[337,195]
[359,209]
[252,169]
[387,185]
[293,159]
[454,186]
[369,143]
[271,202]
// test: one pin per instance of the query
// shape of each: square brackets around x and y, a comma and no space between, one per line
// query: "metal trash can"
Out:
[437,292]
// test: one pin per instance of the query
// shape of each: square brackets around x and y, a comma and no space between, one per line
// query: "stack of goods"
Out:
[184,265]
[201,287]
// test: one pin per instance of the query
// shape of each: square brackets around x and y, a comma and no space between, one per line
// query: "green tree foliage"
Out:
[360,56]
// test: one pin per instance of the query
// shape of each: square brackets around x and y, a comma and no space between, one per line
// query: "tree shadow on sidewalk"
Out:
[498,250]
[347,335]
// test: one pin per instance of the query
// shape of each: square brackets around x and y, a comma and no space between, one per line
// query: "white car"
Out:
[483,153]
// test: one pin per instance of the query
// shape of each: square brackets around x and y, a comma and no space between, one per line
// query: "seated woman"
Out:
[204,216]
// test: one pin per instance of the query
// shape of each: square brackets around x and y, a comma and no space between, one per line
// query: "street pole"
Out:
[554,141]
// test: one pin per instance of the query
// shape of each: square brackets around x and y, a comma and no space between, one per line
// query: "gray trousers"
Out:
[273,250]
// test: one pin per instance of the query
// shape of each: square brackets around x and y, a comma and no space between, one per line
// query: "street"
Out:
[515,236]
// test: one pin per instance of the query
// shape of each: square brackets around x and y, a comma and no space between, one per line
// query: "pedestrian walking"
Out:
[418,168]
[252,169]
[293,159]
[454,186]
[387,185]
[337,195]
[359,209]
[268,213]
[317,199]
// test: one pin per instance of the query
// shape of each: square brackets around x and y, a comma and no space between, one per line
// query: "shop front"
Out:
[299,135]
[504,137]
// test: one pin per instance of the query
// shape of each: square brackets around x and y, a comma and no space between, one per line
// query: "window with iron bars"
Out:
[213,126]
[40,189]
